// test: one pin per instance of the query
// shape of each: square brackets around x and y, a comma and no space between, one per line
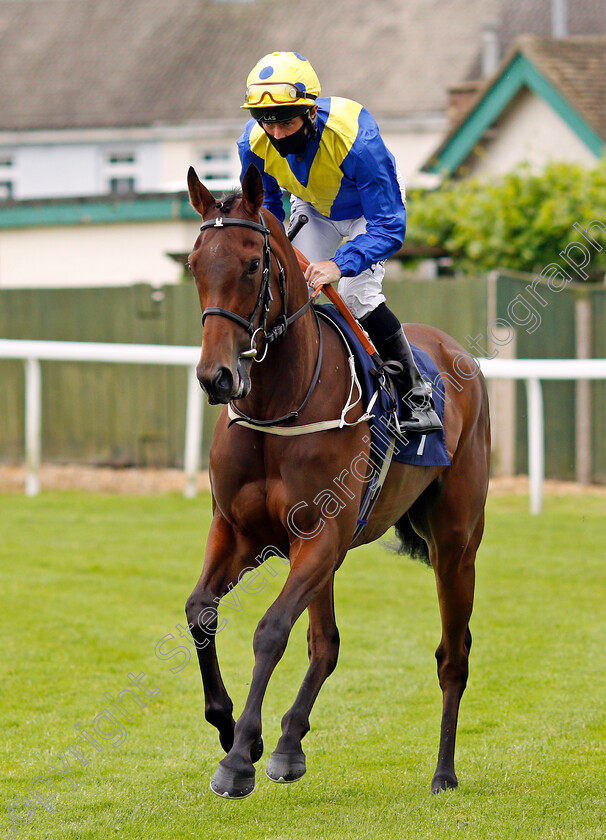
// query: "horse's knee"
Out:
[455,567]
[201,613]
[193,607]
[271,636]
[331,660]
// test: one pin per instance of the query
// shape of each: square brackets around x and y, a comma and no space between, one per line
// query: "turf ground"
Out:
[92,584]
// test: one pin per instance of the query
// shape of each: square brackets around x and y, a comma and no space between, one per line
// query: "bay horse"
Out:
[269,485]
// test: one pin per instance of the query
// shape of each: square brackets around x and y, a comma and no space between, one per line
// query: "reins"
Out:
[263,304]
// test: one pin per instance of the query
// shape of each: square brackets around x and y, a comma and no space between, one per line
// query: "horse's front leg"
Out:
[227,554]
[287,762]
[313,563]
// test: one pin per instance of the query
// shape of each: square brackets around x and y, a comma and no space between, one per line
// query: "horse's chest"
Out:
[253,506]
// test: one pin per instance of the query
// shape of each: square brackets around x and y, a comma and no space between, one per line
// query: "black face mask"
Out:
[294,144]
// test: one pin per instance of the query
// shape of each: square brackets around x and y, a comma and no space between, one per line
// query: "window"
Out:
[121,157]
[121,186]
[6,190]
[7,177]
[121,170]
[218,165]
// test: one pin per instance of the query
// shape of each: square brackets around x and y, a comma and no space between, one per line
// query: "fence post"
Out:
[193,433]
[536,443]
[583,393]
[33,425]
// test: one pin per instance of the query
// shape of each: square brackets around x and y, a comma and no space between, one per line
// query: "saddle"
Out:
[380,395]
[382,398]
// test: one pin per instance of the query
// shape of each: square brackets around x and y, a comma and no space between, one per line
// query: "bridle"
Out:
[264,298]
[263,304]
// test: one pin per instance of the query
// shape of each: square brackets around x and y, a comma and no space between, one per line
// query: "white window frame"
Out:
[8,175]
[120,163]
[218,166]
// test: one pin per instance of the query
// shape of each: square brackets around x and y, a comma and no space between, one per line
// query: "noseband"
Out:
[265,297]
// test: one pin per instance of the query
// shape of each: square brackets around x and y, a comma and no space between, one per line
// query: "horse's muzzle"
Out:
[221,386]
[218,384]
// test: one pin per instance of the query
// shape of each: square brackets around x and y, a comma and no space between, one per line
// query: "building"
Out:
[105,105]
[547,102]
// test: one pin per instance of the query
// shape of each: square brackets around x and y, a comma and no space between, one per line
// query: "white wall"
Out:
[72,164]
[95,255]
[67,170]
[208,156]
[411,149]
[81,169]
[48,171]
[529,131]
[62,167]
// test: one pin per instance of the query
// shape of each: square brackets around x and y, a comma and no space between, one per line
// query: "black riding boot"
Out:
[420,408]
[420,413]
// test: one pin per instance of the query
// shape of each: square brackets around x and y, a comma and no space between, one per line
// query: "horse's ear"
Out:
[252,190]
[201,199]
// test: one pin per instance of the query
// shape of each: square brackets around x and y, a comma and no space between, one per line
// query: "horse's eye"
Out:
[253,266]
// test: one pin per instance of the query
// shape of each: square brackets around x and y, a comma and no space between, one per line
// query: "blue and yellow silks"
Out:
[345,172]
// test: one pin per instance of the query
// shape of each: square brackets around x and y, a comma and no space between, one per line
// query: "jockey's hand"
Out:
[321,273]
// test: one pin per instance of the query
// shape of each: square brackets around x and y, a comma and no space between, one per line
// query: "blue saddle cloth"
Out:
[423,450]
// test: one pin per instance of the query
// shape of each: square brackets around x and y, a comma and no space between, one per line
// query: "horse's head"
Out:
[232,266]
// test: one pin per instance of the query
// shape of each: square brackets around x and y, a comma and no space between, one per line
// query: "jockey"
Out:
[328,153]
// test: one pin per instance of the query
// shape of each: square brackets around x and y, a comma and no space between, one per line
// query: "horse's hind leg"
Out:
[226,556]
[455,577]
[452,522]
[287,762]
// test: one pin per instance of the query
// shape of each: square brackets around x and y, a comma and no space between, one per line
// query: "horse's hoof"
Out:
[443,781]
[231,784]
[284,767]
[256,751]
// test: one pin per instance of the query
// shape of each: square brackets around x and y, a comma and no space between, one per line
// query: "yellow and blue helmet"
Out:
[280,86]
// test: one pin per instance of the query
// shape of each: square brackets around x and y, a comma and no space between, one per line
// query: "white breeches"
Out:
[320,238]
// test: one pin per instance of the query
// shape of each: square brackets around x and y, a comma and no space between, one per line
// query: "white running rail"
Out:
[532,371]
[33,352]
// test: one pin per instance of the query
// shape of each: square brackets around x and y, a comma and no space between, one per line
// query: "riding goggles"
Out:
[276,93]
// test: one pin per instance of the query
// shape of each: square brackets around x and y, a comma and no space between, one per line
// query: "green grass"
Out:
[92,583]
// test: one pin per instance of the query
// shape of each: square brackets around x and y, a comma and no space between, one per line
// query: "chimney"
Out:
[559,18]
[490,51]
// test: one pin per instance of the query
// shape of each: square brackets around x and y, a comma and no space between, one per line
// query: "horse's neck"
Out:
[281,381]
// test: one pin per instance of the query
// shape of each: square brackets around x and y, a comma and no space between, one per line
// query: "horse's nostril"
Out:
[223,381]
[218,384]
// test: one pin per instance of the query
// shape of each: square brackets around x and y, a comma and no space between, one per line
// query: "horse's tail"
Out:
[410,542]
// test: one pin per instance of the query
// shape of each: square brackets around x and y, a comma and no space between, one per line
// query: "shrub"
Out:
[521,221]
